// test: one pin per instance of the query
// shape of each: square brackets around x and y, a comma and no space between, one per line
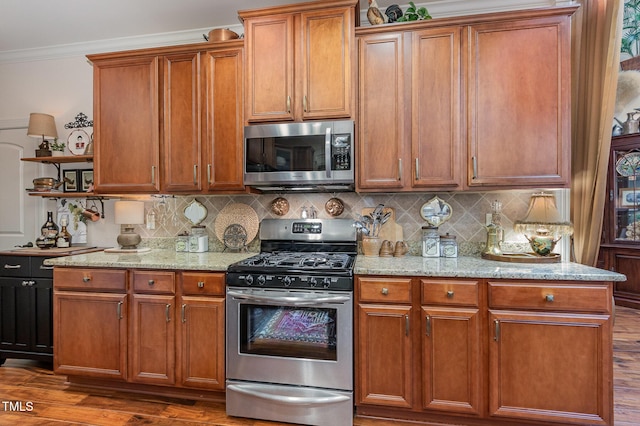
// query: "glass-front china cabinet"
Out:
[620,246]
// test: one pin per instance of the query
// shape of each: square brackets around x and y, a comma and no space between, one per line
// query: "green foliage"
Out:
[414,13]
[631,28]
[57,146]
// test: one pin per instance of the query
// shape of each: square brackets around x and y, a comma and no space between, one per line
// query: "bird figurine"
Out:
[374,15]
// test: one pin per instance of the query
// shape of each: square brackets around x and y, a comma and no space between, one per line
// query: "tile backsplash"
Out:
[466,223]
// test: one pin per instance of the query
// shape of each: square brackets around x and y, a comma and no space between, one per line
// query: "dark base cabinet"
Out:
[625,261]
[26,290]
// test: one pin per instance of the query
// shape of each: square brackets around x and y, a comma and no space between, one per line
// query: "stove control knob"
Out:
[313,282]
[248,279]
[262,279]
[286,281]
[326,282]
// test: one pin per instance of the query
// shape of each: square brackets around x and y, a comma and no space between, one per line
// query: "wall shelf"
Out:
[56,161]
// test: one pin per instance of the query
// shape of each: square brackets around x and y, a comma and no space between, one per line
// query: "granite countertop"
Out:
[461,267]
[475,267]
[155,259]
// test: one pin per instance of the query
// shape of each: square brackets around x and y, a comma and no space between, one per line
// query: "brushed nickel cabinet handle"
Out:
[288,104]
[417,168]
[549,298]
[153,175]
[7,266]
[406,325]
[184,312]
[200,284]
[86,278]
[428,318]
[450,294]
[384,291]
[167,312]
[474,162]
[151,282]
[195,174]
[496,335]
[399,168]
[304,103]
[119,310]
[208,173]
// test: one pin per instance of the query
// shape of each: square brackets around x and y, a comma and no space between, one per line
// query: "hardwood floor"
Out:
[30,394]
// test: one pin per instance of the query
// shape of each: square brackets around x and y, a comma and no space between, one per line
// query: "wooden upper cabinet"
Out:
[299,61]
[222,118]
[518,102]
[181,141]
[126,109]
[381,97]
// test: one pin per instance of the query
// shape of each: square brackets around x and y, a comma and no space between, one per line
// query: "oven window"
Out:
[294,332]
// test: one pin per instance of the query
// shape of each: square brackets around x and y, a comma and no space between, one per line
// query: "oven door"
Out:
[291,337]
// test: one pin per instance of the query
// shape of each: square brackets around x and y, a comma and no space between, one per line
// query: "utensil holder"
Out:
[371,246]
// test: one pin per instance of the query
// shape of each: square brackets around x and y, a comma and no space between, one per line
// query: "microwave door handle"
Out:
[327,151]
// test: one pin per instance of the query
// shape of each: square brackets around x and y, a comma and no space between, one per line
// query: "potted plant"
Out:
[57,148]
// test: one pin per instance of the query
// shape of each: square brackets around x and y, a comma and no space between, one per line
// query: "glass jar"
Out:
[448,246]
[430,241]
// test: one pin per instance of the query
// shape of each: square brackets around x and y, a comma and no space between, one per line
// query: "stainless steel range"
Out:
[290,324]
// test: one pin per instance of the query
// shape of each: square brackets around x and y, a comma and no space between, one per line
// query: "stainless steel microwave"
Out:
[309,156]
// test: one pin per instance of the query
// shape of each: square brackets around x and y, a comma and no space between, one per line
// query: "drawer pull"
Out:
[119,310]
[496,335]
[428,318]
[406,325]
[151,282]
[184,312]
[450,294]
[167,312]
[27,283]
[7,266]
[384,291]
[86,278]
[200,284]
[549,298]
[46,268]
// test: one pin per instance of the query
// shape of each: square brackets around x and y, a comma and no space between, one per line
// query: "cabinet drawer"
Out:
[15,266]
[108,280]
[449,292]
[39,269]
[384,290]
[564,297]
[195,283]
[153,282]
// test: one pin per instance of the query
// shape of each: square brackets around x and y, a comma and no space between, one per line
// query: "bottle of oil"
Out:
[48,233]
[64,237]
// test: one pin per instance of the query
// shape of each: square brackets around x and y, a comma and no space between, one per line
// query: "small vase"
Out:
[371,246]
[57,153]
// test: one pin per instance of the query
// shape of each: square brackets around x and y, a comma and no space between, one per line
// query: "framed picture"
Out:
[86,180]
[629,198]
[70,178]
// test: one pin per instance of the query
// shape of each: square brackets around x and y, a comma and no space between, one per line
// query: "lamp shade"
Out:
[543,213]
[129,212]
[42,126]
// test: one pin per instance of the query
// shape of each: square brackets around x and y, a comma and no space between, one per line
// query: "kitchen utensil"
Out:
[46,184]
[221,34]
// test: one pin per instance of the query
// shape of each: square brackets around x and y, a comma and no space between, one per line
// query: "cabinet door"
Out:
[15,311]
[435,99]
[381,135]
[551,367]
[627,262]
[202,342]
[152,342]
[519,102]
[90,334]
[126,125]
[181,151]
[270,79]
[384,366]
[326,51]
[222,117]
[452,360]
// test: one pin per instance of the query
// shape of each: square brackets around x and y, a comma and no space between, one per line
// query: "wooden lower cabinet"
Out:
[161,331]
[484,352]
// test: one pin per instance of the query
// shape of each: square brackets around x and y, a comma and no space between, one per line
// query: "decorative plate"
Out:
[77,141]
[235,237]
[629,164]
[195,212]
[280,206]
[335,207]
[436,211]
[240,214]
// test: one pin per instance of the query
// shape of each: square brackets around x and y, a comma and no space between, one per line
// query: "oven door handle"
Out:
[297,301]
[257,391]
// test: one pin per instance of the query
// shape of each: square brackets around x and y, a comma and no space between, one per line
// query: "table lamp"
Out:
[42,126]
[129,213]
[542,225]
